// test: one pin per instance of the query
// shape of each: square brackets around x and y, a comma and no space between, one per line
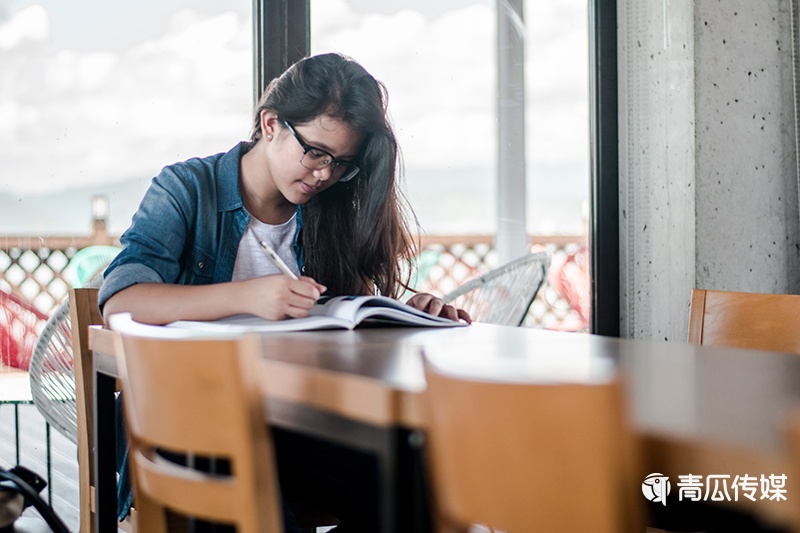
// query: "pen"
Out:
[276,259]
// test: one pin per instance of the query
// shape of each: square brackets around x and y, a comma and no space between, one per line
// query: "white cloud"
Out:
[88,117]
[70,118]
[441,77]
[28,24]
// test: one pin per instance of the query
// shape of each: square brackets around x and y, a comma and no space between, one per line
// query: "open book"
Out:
[339,312]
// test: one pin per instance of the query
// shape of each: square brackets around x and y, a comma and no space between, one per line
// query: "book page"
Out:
[340,312]
[256,324]
[357,309]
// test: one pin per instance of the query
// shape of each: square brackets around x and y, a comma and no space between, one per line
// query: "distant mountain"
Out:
[445,201]
[69,212]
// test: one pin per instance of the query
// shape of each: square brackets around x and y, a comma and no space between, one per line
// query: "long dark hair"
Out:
[355,234]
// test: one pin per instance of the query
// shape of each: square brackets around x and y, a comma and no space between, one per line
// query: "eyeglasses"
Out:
[317,159]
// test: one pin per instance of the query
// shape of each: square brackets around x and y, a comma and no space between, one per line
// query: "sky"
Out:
[96,92]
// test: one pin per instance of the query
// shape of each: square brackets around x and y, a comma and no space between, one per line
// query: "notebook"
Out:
[339,312]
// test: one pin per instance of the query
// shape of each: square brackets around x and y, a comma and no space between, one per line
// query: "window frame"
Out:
[282,36]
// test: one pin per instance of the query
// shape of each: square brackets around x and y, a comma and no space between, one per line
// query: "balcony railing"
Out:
[33,267]
[447,261]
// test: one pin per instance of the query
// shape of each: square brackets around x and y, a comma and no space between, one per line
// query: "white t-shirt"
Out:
[252,262]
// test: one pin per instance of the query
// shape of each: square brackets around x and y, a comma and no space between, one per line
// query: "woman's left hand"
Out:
[435,306]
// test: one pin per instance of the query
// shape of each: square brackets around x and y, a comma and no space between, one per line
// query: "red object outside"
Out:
[20,325]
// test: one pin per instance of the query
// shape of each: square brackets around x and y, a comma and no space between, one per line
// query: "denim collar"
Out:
[228,192]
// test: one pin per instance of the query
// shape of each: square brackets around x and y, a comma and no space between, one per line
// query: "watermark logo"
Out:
[656,488]
[716,487]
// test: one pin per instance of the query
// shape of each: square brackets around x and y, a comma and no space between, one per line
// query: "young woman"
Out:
[317,182]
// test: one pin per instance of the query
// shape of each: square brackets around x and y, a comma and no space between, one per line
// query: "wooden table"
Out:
[699,410]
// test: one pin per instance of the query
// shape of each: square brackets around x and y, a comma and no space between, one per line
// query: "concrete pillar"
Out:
[708,185]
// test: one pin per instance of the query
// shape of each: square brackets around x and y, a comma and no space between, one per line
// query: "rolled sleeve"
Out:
[123,277]
[153,244]
[187,228]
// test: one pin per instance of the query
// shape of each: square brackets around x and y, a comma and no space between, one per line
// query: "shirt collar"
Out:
[230,196]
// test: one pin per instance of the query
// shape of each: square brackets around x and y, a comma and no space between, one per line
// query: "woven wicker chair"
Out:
[503,295]
[51,368]
[88,262]
[52,374]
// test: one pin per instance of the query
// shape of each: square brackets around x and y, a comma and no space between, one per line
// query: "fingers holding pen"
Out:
[276,297]
[320,287]
[303,293]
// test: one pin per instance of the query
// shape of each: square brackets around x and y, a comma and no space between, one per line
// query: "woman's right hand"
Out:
[278,296]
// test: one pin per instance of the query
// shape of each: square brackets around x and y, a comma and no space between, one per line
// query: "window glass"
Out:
[438,60]
[98,96]
[557,116]
[440,78]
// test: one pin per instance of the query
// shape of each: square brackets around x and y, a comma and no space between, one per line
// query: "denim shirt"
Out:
[187,228]
[186,231]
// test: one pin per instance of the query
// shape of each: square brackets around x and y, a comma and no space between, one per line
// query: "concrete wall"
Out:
[708,181]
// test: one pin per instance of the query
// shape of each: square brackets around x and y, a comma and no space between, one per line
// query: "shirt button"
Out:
[200,264]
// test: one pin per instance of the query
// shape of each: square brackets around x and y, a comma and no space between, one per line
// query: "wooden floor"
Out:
[32,455]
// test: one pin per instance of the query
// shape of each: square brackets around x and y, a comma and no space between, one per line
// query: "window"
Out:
[438,60]
[98,97]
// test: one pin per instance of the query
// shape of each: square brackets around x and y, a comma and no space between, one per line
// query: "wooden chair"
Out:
[84,312]
[308,517]
[531,457]
[745,320]
[504,294]
[198,398]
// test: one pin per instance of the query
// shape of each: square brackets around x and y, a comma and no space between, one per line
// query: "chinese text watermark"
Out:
[716,487]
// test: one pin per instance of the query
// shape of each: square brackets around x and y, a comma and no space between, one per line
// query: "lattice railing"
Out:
[34,268]
[445,262]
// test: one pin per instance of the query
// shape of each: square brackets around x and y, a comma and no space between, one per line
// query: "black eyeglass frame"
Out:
[333,163]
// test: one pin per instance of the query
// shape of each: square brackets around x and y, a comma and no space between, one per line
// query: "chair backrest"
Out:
[503,295]
[88,262]
[84,312]
[745,320]
[198,398]
[52,373]
[52,368]
[524,457]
